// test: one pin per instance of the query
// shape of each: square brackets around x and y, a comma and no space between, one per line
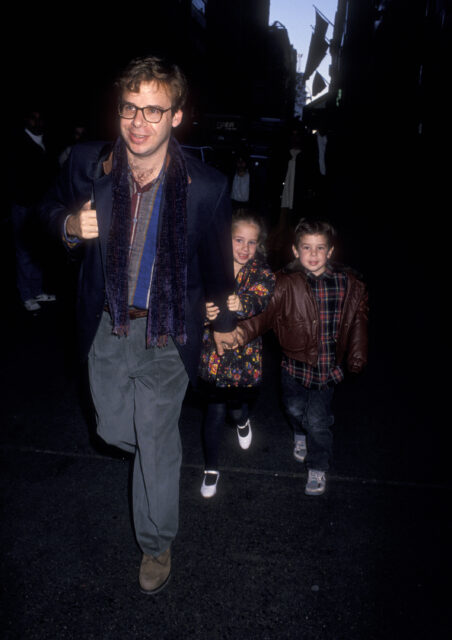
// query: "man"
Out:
[155,247]
[297,169]
[302,173]
[29,149]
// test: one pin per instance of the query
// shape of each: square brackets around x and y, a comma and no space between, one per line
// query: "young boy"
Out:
[319,314]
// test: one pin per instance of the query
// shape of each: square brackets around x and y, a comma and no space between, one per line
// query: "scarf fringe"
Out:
[162,341]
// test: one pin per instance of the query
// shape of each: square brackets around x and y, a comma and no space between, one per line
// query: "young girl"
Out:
[230,381]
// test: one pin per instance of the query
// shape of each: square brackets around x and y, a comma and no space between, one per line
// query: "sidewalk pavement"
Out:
[367,560]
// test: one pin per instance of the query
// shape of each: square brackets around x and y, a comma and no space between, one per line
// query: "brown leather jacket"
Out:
[293,315]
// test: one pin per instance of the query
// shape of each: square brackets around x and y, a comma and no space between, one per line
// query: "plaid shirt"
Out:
[329,292]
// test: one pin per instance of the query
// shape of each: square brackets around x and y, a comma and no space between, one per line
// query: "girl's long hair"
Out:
[251,217]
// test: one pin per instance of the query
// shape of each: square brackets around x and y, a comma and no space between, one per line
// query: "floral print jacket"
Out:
[240,367]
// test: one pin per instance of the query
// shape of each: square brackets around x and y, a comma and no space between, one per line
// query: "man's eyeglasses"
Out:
[150,114]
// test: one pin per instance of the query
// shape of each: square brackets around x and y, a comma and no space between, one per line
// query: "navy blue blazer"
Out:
[209,250]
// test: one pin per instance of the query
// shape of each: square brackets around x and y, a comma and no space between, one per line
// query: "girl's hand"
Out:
[234,303]
[211,311]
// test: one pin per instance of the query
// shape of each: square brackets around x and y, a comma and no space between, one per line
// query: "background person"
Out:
[240,189]
[32,170]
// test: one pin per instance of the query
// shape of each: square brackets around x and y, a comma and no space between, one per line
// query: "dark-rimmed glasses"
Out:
[128,110]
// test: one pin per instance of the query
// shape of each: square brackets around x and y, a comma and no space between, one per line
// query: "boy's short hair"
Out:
[312,226]
[250,216]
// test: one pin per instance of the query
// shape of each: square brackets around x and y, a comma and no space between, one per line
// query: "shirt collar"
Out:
[36,138]
[328,274]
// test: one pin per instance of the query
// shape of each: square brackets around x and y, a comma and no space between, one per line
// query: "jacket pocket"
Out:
[293,335]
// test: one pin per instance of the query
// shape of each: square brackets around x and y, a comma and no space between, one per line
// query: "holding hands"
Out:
[224,341]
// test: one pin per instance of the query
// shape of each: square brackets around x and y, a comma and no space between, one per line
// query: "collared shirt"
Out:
[329,293]
[241,187]
[145,206]
[38,139]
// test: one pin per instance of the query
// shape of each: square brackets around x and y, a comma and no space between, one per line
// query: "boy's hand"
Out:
[240,336]
[211,311]
[356,365]
[234,303]
[225,341]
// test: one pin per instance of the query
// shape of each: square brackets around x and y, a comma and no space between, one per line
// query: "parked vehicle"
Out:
[203,153]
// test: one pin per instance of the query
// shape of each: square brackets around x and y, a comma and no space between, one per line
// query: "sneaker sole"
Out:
[314,492]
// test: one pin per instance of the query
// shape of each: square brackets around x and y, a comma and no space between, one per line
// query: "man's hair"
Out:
[312,226]
[154,69]
[251,217]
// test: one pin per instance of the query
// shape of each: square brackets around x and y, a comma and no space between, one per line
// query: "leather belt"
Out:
[133,312]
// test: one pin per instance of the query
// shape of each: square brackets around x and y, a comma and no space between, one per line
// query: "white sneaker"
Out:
[32,305]
[245,435]
[209,483]
[316,483]
[45,297]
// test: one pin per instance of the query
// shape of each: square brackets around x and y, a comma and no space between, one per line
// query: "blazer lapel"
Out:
[103,197]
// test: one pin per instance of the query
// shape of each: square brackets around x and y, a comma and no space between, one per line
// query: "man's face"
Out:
[144,139]
[34,123]
[313,252]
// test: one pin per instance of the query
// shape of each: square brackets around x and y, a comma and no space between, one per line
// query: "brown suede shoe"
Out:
[155,572]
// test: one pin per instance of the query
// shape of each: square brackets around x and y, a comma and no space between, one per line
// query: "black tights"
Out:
[214,420]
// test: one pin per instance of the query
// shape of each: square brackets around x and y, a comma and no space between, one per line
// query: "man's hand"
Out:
[225,341]
[83,224]
[234,303]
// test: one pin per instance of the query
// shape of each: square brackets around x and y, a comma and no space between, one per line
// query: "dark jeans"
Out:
[212,431]
[309,411]
[28,270]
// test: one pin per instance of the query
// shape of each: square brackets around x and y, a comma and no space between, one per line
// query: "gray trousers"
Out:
[138,394]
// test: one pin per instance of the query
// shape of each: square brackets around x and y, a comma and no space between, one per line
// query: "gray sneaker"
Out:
[316,483]
[45,297]
[299,450]
[32,305]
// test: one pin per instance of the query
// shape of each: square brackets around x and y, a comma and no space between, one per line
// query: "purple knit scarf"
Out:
[166,315]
